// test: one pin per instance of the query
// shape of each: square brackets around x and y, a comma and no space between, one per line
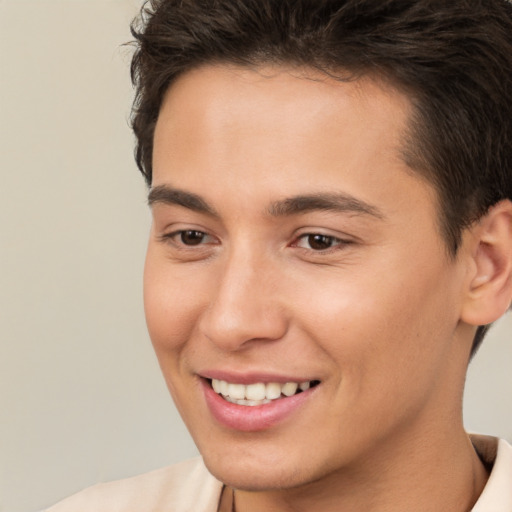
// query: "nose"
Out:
[245,305]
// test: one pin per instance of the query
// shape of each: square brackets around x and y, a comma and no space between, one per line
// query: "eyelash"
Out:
[334,243]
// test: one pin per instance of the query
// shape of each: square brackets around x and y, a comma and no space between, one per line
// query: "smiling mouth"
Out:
[259,393]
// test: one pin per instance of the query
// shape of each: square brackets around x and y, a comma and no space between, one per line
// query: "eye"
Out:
[318,242]
[191,237]
[188,238]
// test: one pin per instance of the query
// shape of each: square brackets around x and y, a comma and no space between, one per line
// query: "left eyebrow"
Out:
[333,202]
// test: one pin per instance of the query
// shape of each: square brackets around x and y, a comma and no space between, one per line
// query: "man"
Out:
[330,183]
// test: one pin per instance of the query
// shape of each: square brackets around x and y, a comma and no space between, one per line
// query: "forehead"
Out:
[216,95]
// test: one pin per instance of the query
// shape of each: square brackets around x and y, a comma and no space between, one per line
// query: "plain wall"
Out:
[81,396]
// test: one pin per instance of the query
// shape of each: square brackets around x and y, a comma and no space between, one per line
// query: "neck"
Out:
[428,473]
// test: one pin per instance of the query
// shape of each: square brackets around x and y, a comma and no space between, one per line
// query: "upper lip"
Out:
[252,377]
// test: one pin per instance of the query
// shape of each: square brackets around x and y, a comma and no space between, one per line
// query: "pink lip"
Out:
[253,418]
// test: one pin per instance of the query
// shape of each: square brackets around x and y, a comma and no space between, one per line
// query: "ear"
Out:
[490,285]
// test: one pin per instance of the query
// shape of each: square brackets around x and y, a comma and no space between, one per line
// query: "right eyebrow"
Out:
[335,202]
[173,196]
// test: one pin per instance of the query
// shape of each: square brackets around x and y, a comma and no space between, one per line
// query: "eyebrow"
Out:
[296,205]
[173,196]
[333,202]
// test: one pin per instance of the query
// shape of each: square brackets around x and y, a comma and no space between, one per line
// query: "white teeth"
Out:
[273,390]
[304,385]
[255,391]
[290,388]
[223,387]
[236,391]
[251,403]
[258,393]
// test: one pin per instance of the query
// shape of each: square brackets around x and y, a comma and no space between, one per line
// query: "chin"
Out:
[248,474]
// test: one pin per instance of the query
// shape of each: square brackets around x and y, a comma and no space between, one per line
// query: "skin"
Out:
[383,317]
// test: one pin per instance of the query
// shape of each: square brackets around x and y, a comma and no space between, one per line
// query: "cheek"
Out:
[378,330]
[172,303]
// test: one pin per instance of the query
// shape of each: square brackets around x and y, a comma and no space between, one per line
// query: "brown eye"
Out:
[192,237]
[320,242]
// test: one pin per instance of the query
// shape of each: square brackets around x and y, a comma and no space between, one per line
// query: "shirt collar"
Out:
[497,454]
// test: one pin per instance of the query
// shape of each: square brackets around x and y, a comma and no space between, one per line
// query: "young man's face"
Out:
[292,244]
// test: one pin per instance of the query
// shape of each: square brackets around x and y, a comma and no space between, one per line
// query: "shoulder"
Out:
[184,487]
[497,494]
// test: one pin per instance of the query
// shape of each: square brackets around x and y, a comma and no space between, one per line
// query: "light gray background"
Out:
[81,396]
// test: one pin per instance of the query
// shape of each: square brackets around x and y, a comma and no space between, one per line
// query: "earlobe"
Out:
[490,287]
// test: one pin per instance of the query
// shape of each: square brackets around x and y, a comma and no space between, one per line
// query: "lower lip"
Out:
[253,418]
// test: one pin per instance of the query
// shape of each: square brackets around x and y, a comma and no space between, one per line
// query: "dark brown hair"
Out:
[452,58]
